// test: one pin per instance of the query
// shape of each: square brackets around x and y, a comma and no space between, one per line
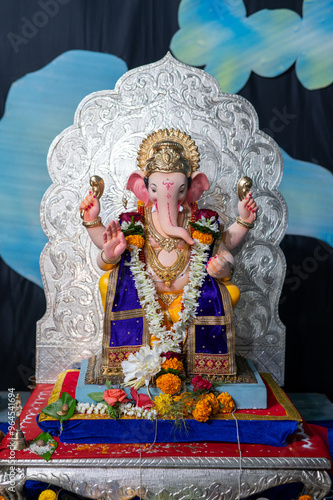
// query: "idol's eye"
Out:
[182,188]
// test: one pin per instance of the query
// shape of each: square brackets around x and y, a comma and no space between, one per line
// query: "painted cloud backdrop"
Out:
[40,106]
[220,36]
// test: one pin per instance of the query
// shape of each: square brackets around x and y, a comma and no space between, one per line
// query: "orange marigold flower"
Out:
[173,363]
[227,402]
[206,238]
[135,240]
[202,411]
[305,497]
[169,383]
[214,402]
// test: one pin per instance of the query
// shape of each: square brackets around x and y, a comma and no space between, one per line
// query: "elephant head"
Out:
[168,184]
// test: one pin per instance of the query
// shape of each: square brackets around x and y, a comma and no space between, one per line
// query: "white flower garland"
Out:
[126,409]
[169,340]
[208,223]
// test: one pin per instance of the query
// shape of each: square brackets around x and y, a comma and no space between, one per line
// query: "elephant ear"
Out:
[136,184]
[199,184]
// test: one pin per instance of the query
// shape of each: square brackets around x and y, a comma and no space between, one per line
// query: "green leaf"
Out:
[96,396]
[45,436]
[108,384]
[114,411]
[52,409]
[204,229]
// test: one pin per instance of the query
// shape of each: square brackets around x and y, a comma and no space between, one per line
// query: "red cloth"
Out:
[308,444]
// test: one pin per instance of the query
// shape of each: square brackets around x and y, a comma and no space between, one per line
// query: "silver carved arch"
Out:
[107,131]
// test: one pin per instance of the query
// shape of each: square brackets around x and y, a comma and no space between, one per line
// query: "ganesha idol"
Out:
[167,290]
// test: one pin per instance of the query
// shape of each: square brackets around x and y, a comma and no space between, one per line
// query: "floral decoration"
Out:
[141,367]
[133,229]
[169,383]
[173,364]
[205,224]
[113,396]
[162,403]
[226,402]
[202,411]
[214,403]
[206,238]
[135,240]
[47,495]
[199,383]
[131,217]
[141,400]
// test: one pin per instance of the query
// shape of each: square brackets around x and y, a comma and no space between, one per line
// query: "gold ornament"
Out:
[243,223]
[167,274]
[168,244]
[243,188]
[92,223]
[168,150]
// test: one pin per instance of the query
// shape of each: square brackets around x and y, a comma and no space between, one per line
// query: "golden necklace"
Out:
[167,274]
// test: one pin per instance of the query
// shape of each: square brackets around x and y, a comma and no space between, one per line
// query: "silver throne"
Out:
[108,129]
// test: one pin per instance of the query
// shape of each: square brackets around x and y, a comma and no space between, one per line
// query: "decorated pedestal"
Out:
[269,426]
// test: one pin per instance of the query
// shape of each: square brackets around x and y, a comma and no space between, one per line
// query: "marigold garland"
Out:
[206,238]
[228,403]
[202,411]
[169,383]
[214,402]
[174,364]
[135,240]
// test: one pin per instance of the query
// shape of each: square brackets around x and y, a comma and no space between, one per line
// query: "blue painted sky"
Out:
[42,104]
[219,35]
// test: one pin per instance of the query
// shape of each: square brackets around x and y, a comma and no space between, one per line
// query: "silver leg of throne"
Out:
[12,480]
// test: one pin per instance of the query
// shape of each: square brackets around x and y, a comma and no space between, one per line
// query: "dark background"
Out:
[139,32]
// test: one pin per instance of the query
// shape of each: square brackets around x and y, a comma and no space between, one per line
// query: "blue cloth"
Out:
[270,432]
[4,426]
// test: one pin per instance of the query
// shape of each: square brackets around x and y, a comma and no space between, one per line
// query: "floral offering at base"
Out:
[148,418]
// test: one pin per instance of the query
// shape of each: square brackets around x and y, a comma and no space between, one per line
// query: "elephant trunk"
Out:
[167,215]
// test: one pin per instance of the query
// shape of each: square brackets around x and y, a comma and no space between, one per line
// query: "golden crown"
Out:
[168,150]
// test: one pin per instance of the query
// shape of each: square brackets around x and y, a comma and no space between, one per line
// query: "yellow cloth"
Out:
[103,286]
[233,291]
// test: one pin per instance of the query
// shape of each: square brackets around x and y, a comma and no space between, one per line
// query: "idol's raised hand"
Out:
[247,208]
[114,242]
[90,207]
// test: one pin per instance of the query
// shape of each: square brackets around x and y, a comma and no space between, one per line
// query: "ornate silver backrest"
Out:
[108,129]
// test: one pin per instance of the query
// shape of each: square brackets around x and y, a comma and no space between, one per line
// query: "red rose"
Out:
[127,217]
[200,383]
[112,396]
[205,212]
